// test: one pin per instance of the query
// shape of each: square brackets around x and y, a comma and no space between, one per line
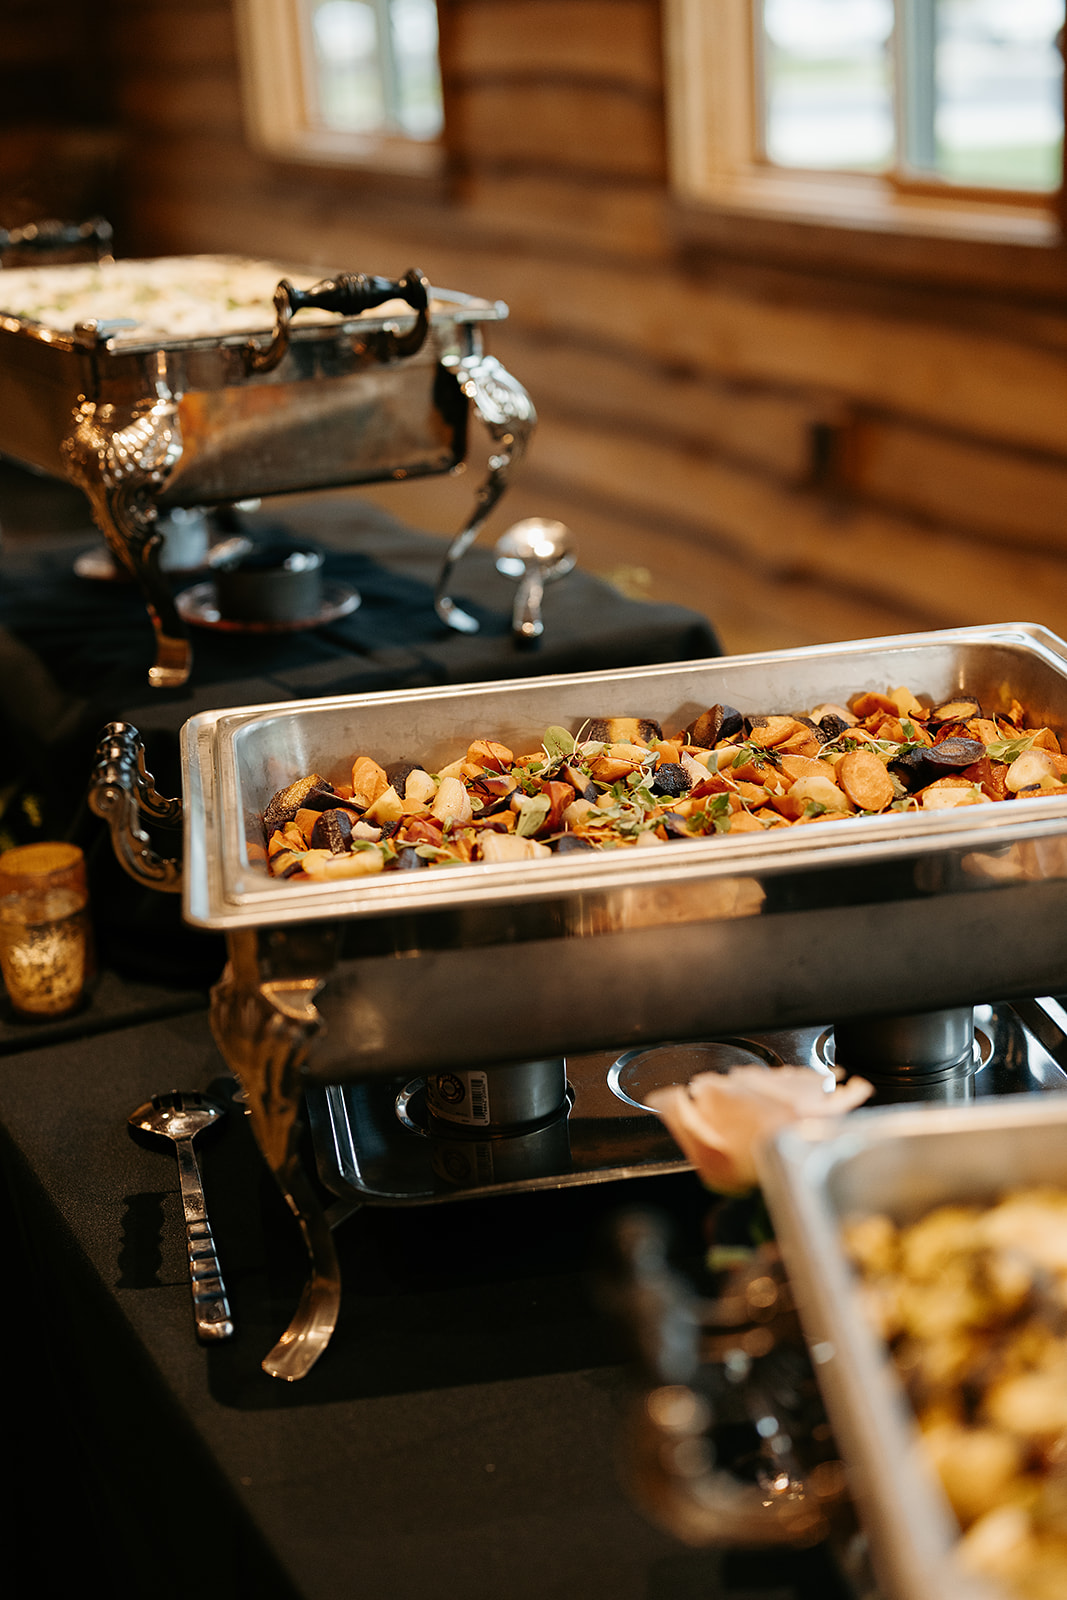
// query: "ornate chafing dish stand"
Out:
[146,426]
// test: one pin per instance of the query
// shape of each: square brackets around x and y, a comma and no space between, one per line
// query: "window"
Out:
[346,81]
[928,116]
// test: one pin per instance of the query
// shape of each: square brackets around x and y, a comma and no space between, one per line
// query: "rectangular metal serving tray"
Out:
[591,951]
[903,1162]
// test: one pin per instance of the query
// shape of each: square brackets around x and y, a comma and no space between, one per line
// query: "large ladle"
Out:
[534,552]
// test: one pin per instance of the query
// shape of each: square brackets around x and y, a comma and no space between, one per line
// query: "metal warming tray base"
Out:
[375,1145]
[902,1162]
[493,963]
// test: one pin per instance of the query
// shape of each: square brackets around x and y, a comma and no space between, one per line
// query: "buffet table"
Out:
[460,1435]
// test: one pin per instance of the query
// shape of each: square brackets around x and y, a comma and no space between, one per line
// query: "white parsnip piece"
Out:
[821,792]
[420,786]
[1033,766]
[452,802]
[944,793]
[320,864]
[511,847]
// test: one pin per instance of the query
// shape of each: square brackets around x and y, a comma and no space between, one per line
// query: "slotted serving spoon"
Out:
[180,1116]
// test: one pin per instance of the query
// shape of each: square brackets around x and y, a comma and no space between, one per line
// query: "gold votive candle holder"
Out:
[46,942]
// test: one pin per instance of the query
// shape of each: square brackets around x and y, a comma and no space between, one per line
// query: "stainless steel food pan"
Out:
[492,962]
[902,1162]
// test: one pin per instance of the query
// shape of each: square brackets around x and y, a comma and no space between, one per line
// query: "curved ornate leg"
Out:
[264,1031]
[507,411]
[119,789]
[122,458]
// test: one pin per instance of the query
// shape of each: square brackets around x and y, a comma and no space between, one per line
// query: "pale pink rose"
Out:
[720,1119]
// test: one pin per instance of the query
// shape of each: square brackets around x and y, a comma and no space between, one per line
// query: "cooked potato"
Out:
[617,783]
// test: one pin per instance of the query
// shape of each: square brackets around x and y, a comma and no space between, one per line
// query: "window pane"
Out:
[418,77]
[348,69]
[827,83]
[998,96]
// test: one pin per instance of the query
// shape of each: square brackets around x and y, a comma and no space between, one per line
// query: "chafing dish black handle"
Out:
[348,294]
[119,790]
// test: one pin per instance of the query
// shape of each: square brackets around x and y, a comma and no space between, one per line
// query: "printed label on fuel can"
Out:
[460,1097]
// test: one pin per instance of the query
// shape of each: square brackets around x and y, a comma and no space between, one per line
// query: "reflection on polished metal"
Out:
[507,411]
[920,1041]
[928,1055]
[498,1099]
[121,456]
[638,1073]
[145,427]
[264,1029]
[534,552]
[263,1025]
[36,242]
[180,1116]
[467,1162]
[120,789]
[743,1350]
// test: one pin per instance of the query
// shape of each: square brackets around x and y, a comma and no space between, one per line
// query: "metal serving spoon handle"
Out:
[211,1308]
[526,621]
[180,1117]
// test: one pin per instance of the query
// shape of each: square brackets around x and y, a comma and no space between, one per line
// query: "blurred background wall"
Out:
[804,445]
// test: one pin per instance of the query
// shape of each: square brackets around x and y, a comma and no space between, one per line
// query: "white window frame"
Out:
[713,128]
[274,65]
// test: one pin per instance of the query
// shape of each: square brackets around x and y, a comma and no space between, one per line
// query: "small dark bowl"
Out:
[277,581]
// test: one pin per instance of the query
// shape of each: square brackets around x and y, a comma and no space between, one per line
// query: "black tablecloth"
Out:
[75,653]
[461,1437]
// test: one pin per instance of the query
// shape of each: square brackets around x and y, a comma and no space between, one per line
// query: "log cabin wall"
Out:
[58,144]
[801,451]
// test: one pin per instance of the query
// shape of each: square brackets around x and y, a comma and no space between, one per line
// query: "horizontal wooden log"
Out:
[173,168]
[994,387]
[940,574]
[583,127]
[146,37]
[189,99]
[567,212]
[766,428]
[1015,496]
[597,38]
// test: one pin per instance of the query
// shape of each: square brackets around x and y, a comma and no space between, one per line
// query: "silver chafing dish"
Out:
[243,401]
[909,911]
[491,964]
[903,1163]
